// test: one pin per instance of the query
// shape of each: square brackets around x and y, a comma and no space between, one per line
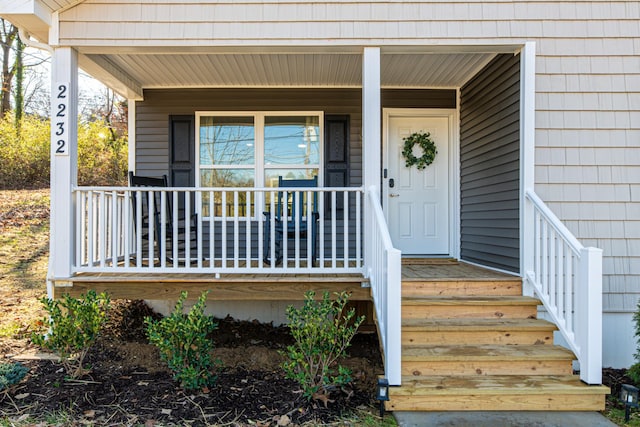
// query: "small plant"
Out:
[322,334]
[183,343]
[74,325]
[11,373]
[634,371]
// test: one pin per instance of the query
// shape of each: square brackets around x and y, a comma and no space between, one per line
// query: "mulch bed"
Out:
[129,385]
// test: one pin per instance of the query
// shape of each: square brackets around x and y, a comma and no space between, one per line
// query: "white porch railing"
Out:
[386,288]
[229,232]
[567,277]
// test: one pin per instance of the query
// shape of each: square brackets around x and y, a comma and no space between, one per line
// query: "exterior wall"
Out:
[152,114]
[152,117]
[490,165]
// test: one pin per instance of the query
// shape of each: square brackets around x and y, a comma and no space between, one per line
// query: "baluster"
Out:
[236,231]
[199,248]
[187,229]
[151,221]
[358,196]
[115,227]
[248,216]
[552,267]
[79,228]
[102,228]
[309,219]
[321,196]
[126,222]
[345,221]
[163,229]
[285,231]
[175,234]
[571,280]
[272,225]
[212,227]
[223,225]
[544,279]
[139,249]
[334,252]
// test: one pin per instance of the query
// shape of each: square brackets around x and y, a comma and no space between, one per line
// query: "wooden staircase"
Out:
[474,343]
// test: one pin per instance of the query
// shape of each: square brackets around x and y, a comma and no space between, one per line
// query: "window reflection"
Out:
[291,140]
[227,141]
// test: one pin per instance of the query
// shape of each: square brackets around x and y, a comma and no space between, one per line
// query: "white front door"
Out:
[418,200]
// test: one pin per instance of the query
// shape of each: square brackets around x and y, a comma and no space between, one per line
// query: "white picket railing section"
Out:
[113,234]
[386,288]
[567,277]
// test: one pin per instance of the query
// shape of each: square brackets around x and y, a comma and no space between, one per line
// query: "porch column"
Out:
[131,132]
[371,142]
[527,159]
[64,159]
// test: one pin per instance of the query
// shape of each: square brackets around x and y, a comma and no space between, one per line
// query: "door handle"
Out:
[394,195]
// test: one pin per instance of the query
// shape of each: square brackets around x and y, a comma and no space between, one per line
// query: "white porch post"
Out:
[64,159]
[131,133]
[589,315]
[371,141]
[527,159]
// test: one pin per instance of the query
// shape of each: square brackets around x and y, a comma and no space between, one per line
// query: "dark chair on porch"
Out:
[287,212]
[155,216]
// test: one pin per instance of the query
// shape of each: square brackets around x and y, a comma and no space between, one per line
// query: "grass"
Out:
[24,251]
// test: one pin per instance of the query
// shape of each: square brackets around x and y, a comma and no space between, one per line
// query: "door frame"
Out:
[454,164]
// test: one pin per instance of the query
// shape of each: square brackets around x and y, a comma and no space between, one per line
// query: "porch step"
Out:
[449,287]
[476,331]
[497,393]
[490,306]
[486,360]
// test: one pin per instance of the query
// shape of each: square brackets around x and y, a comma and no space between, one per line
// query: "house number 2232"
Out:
[60,122]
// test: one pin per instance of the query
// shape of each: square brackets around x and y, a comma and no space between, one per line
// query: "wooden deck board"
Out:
[451,272]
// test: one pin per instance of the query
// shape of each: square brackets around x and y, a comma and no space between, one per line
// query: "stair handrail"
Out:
[386,287]
[567,277]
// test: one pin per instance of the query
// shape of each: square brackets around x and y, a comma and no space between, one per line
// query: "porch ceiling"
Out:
[320,69]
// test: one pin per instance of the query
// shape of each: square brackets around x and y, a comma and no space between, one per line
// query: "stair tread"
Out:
[468,324]
[485,352]
[494,384]
[469,300]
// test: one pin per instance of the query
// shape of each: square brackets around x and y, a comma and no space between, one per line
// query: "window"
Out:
[252,150]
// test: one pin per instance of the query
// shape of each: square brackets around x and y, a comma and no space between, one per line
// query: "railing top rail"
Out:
[378,215]
[228,189]
[555,222]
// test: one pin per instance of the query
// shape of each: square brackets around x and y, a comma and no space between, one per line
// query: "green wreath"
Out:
[429,150]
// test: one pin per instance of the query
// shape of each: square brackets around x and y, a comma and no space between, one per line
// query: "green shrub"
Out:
[74,325]
[11,373]
[183,343]
[322,334]
[634,371]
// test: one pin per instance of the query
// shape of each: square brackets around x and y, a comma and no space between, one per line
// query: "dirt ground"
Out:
[128,383]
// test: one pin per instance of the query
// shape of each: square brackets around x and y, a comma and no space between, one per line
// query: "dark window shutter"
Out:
[182,151]
[182,159]
[336,154]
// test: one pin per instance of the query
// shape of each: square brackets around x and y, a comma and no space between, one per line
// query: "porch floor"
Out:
[269,286]
[446,269]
